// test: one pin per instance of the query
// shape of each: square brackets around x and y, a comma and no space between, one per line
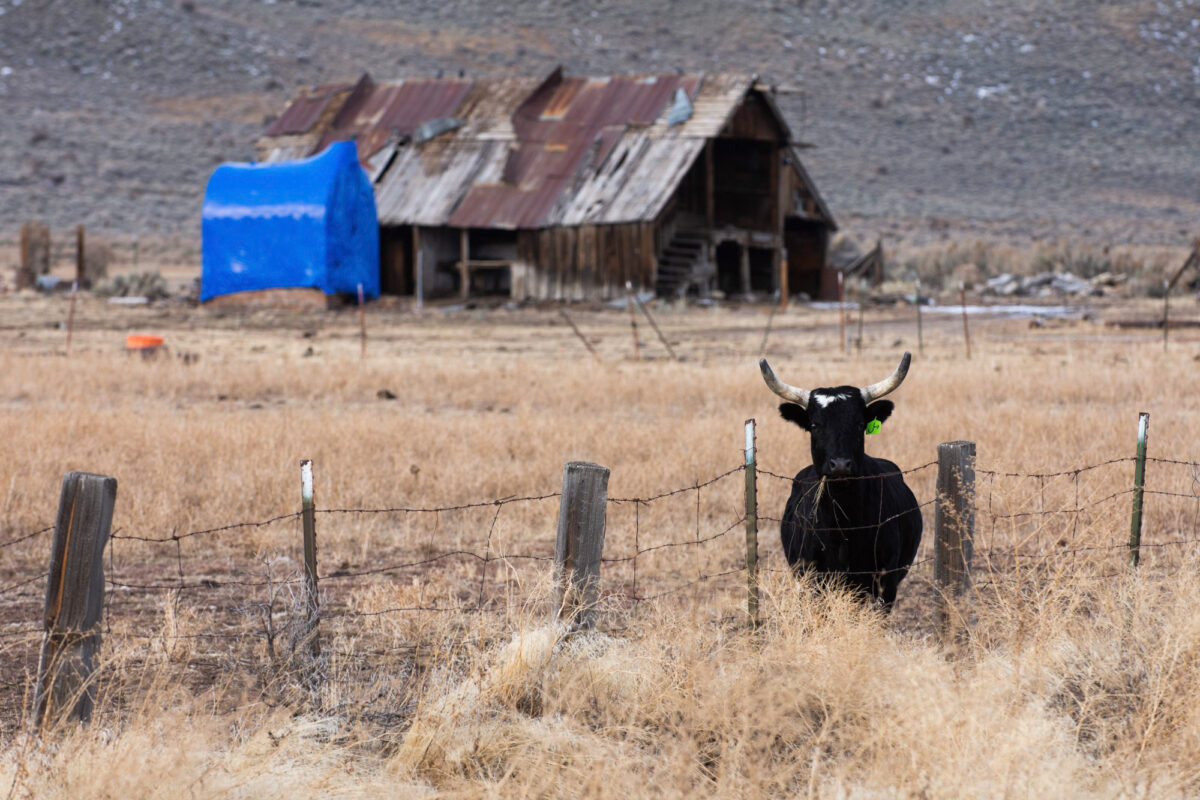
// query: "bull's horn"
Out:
[889,384]
[792,393]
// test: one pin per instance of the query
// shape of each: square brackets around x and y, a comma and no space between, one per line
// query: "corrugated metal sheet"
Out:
[304,111]
[424,184]
[712,106]
[566,128]
[398,108]
[637,180]
[531,152]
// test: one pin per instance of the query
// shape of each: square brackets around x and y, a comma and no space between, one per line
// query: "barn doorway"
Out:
[729,268]
[396,275]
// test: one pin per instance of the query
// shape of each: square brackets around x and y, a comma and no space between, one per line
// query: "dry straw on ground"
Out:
[1078,680]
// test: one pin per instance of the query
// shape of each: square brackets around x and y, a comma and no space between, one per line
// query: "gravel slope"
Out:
[930,119]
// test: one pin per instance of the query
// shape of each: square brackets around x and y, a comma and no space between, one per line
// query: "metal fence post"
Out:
[954,534]
[1139,486]
[580,543]
[74,600]
[751,527]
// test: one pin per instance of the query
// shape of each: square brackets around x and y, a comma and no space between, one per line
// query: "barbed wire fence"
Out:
[227,596]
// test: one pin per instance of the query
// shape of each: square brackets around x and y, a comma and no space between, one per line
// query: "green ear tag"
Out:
[873,426]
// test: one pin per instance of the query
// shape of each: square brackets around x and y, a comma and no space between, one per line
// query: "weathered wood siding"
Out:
[584,262]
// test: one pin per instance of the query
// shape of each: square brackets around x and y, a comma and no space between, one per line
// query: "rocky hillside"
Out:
[1004,120]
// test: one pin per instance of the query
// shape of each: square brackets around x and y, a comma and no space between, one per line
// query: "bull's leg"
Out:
[888,584]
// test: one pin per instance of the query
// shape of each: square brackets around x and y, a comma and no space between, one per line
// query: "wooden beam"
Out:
[80,257]
[710,214]
[745,270]
[783,277]
[418,263]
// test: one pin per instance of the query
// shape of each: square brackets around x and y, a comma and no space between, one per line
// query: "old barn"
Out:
[565,187]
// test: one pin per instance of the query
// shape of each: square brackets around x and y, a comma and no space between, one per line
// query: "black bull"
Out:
[849,515]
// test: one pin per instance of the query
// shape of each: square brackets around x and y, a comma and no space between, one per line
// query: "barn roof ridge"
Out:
[519,151]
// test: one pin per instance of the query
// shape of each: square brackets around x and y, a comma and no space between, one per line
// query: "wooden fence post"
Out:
[954,535]
[312,608]
[580,542]
[25,277]
[1139,486]
[751,526]
[80,256]
[74,600]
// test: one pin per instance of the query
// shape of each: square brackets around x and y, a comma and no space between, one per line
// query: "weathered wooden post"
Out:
[1139,486]
[312,608]
[35,254]
[783,279]
[80,255]
[580,543]
[751,527]
[25,277]
[464,263]
[954,535]
[74,600]
[419,261]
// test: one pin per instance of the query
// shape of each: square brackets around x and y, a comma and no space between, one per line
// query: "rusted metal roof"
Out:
[529,153]
[303,113]
[565,129]
[424,184]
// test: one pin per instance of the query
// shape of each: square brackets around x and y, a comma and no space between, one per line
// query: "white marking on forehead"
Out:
[823,400]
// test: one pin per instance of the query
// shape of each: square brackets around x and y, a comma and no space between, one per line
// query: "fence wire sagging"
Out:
[412,583]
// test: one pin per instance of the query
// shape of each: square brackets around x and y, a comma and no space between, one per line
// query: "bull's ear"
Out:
[793,412]
[880,410]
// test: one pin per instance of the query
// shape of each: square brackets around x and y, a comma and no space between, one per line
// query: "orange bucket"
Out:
[143,342]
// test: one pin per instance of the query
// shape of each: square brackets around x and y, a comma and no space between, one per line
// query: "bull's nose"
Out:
[839,467]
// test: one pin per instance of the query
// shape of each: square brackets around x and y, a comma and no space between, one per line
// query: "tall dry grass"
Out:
[1078,680]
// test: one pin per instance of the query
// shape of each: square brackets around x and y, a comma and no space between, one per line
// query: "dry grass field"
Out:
[439,675]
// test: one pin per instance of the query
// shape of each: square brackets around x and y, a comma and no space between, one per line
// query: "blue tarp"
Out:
[308,223]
